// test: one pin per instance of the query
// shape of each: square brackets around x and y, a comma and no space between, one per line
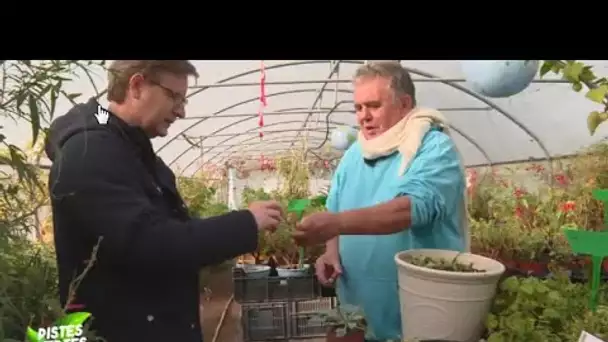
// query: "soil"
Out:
[213,304]
[442,264]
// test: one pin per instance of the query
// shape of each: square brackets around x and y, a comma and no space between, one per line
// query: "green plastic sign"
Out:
[593,243]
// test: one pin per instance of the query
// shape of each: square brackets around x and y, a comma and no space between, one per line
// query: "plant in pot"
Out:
[285,253]
[451,282]
[259,268]
[294,183]
[531,253]
[345,323]
[492,241]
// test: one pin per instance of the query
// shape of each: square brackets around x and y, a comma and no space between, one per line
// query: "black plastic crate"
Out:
[326,291]
[301,317]
[264,321]
[270,289]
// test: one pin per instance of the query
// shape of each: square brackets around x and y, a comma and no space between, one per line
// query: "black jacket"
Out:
[106,181]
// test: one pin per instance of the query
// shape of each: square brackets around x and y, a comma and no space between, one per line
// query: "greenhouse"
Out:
[530,135]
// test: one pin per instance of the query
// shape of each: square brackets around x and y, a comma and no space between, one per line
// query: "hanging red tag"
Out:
[263,102]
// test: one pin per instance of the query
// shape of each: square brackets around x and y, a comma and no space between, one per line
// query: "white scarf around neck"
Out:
[406,138]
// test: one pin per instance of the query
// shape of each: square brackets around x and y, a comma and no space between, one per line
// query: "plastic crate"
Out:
[281,321]
[272,289]
[326,291]
[300,313]
[264,322]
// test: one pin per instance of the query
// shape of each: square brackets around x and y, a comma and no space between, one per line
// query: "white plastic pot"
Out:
[255,271]
[445,305]
[298,272]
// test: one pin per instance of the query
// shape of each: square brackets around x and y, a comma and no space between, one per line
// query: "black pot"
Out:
[579,276]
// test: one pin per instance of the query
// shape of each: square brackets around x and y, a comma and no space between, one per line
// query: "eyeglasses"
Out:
[178,99]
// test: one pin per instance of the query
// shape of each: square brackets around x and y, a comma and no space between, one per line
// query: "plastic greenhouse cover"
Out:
[223,118]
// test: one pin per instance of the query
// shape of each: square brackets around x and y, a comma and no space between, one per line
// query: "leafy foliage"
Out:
[29,93]
[582,76]
[201,197]
[442,264]
[344,319]
[294,173]
[512,220]
[530,309]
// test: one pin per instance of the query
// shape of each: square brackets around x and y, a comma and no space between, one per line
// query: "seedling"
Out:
[298,206]
[442,264]
[344,319]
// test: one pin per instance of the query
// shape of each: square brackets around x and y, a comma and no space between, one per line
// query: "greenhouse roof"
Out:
[305,98]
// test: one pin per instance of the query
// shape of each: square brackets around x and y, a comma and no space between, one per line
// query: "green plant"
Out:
[200,195]
[531,309]
[525,221]
[591,322]
[442,264]
[29,93]
[294,173]
[343,320]
[251,195]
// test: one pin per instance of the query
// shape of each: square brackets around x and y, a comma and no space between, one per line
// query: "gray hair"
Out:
[401,81]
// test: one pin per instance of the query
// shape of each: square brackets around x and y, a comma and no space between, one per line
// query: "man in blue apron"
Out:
[400,186]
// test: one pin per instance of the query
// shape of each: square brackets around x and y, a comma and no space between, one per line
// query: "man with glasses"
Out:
[109,189]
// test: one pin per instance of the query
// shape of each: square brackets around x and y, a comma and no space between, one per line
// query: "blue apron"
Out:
[435,183]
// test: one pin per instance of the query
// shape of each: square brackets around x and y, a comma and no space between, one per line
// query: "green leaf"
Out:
[527,289]
[34,117]
[593,121]
[54,96]
[551,313]
[545,68]
[74,96]
[577,86]
[491,322]
[74,318]
[598,94]
[497,337]
[32,335]
[573,70]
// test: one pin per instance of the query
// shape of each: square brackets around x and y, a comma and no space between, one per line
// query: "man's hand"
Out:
[328,268]
[317,228]
[268,214]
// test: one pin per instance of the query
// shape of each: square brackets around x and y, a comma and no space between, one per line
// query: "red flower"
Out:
[536,168]
[567,206]
[471,181]
[519,211]
[519,193]
[561,179]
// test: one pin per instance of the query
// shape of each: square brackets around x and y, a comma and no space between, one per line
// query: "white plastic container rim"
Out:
[249,268]
[493,269]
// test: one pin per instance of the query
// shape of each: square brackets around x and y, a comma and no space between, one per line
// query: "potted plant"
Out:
[531,253]
[441,285]
[345,323]
[286,253]
[294,177]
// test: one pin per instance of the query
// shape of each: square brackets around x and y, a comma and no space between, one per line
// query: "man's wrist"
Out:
[341,223]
